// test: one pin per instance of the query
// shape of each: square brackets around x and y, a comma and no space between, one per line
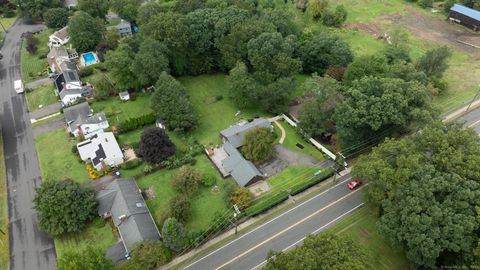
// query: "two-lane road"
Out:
[471,119]
[283,232]
[30,248]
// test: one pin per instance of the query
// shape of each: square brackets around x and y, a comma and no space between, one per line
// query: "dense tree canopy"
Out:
[324,50]
[55,17]
[180,207]
[89,258]
[322,96]
[36,9]
[64,206]
[321,252]
[427,189]
[96,8]
[85,32]
[126,9]
[155,145]
[170,103]
[434,61]
[150,61]
[368,65]
[186,180]
[382,106]
[258,144]
[119,63]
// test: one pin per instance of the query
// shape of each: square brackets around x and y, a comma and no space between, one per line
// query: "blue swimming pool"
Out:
[89,58]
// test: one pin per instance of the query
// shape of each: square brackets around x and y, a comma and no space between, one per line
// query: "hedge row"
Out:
[266,203]
[136,122]
[326,173]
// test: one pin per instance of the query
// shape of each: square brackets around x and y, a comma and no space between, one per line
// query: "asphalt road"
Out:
[471,119]
[30,248]
[248,251]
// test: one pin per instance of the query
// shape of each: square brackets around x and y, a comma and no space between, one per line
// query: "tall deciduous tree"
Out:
[119,63]
[376,107]
[55,17]
[150,61]
[242,197]
[173,234]
[126,9]
[96,8]
[186,180]
[147,255]
[85,32]
[180,207]
[87,259]
[36,9]
[321,252]
[324,50]
[147,10]
[323,95]
[368,65]
[257,144]
[434,61]
[155,146]
[64,206]
[170,103]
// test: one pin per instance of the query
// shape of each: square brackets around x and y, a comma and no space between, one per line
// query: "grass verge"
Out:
[41,96]
[4,248]
[35,66]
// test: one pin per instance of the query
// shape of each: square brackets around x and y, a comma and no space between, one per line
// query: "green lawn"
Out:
[43,95]
[205,204]
[291,176]
[35,66]
[216,116]
[56,158]
[360,227]
[292,138]
[97,234]
[4,253]
[117,110]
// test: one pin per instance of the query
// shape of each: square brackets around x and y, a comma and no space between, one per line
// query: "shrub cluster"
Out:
[135,123]
[326,173]
[266,203]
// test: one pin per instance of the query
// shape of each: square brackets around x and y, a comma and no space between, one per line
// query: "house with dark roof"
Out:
[465,16]
[101,150]
[69,86]
[81,120]
[228,159]
[59,38]
[122,201]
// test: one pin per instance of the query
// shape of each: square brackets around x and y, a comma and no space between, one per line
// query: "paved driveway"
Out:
[30,248]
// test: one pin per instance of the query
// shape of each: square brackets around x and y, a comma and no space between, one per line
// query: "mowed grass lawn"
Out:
[293,137]
[290,176]
[97,234]
[41,96]
[4,253]
[118,110]
[214,116]
[35,66]
[205,203]
[361,228]
[57,161]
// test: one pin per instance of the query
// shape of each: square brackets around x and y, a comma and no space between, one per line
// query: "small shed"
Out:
[465,16]
[124,96]
[159,123]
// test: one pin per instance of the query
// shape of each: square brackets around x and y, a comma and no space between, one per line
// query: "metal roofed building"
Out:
[465,16]
[123,202]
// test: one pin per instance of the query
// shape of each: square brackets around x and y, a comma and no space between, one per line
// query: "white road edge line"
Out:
[314,232]
[268,222]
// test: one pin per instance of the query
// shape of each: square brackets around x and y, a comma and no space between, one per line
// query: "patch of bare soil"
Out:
[370,28]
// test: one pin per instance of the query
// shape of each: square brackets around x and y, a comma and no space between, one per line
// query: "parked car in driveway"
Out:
[354,184]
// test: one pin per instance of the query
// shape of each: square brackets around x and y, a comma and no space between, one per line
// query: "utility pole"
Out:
[475,98]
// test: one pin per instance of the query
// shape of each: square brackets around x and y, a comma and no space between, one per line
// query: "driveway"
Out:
[30,248]
[47,127]
[47,110]
[37,83]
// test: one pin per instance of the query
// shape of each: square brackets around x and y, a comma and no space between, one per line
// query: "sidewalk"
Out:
[37,83]
[45,111]
[250,221]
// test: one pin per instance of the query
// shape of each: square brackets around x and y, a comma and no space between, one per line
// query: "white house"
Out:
[59,38]
[81,120]
[60,55]
[102,150]
[69,86]
[124,96]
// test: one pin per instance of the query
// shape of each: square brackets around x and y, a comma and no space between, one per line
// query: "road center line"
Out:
[287,229]
[268,222]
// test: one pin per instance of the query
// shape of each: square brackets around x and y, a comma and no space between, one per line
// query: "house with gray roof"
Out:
[228,159]
[101,150]
[59,55]
[234,134]
[122,201]
[81,120]
[59,38]
[123,28]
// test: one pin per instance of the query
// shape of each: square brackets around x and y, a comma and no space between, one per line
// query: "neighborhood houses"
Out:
[81,121]
[59,38]
[101,150]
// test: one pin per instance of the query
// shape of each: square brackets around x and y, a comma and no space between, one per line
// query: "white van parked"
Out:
[18,86]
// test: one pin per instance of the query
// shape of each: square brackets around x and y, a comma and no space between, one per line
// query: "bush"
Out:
[178,161]
[180,207]
[208,180]
[55,17]
[219,97]
[74,149]
[173,234]
[155,146]
[147,255]
[257,144]
[326,173]
[136,122]
[31,43]
[242,197]
[132,164]
[186,180]
[86,71]
[266,203]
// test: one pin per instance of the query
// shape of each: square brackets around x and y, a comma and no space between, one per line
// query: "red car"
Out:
[354,184]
